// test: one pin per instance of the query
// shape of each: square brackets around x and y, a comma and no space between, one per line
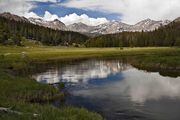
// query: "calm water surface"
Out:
[117,90]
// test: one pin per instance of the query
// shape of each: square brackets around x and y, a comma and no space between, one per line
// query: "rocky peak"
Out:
[148,25]
[145,22]
[10,16]
[56,20]
[56,24]
[111,27]
[80,27]
[106,28]
[177,19]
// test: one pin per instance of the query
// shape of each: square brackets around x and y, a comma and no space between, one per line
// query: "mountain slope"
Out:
[177,19]
[80,27]
[56,24]
[10,16]
[148,25]
[111,27]
[168,35]
[13,28]
[117,27]
[106,28]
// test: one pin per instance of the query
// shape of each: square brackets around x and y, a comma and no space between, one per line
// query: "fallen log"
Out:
[9,110]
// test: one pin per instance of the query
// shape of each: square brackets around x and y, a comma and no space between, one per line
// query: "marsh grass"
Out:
[23,93]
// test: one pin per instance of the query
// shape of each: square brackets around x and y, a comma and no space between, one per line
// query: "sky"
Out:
[94,12]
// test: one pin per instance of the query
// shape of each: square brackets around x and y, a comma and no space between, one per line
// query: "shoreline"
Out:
[18,91]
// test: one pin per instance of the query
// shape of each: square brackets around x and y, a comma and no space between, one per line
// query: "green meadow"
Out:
[23,94]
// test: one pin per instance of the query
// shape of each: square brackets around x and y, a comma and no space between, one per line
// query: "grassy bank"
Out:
[21,57]
[22,93]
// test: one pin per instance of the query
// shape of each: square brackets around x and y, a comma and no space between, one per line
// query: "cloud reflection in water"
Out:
[81,73]
[142,86]
[138,86]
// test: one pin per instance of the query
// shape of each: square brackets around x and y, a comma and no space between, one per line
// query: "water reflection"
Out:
[83,72]
[118,90]
[142,86]
[139,86]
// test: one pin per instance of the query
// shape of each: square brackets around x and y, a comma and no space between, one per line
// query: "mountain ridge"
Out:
[10,16]
[106,28]
[118,26]
[55,24]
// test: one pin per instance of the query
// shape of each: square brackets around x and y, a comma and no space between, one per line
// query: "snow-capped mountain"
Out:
[106,28]
[56,24]
[148,25]
[111,27]
[117,26]
[10,16]
[177,19]
[80,27]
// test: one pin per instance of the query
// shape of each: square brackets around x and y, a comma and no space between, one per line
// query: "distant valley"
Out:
[106,28]
[111,34]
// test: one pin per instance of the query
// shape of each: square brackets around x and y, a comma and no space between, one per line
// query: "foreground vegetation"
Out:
[23,94]
[19,57]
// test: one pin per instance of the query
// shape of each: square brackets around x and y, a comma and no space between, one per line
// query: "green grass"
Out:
[30,43]
[19,92]
[19,57]
[22,93]
[44,53]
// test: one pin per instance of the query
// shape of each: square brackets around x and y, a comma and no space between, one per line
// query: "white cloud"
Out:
[49,17]
[23,7]
[70,19]
[19,7]
[74,18]
[31,14]
[132,11]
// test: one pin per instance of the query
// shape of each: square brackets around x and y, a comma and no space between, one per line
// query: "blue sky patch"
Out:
[61,11]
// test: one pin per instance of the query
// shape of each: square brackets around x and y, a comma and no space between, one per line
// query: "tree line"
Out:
[165,36]
[12,32]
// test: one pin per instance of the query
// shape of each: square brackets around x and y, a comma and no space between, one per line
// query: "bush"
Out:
[61,85]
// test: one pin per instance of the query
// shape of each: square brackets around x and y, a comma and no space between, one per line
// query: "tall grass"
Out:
[21,92]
